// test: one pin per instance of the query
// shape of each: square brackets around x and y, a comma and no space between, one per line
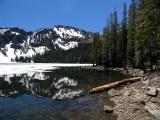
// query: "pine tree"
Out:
[119,47]
[95,51]
[124,36]
[115,37]
[131,34]
[136,45]
[111,44]
[106,43]
[147,30]
[110,41]
[139,37]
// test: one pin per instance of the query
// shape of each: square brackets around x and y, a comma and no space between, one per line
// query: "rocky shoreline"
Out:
[135,101]
[139,100]
[129,71]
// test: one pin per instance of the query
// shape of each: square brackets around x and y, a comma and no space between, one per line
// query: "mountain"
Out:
[18,45]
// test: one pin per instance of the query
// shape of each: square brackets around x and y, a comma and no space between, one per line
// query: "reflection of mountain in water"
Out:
[64,92]
[60,83]
[39,84]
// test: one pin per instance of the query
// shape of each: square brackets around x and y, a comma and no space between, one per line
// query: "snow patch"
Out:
[37,31]
[4,59]
[67,33]
[2,31]
[28,51]
[66,46]
[15,33]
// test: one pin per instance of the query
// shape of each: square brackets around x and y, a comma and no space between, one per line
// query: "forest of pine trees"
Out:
[134,42]
[74,55]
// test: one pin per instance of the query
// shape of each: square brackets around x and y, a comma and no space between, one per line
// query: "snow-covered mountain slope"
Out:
[16,43]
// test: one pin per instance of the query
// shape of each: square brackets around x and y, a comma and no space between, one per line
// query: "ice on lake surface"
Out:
[52,91]
[18,68]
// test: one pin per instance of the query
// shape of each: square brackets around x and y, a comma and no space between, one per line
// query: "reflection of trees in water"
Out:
[12,89]
[58,84]
[57,88]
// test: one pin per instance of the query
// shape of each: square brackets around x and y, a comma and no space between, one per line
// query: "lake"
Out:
[53,92]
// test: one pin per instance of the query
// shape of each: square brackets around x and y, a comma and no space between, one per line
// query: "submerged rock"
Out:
[108,109]
[112,92]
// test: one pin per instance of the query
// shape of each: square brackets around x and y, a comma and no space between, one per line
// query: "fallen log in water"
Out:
[113,85]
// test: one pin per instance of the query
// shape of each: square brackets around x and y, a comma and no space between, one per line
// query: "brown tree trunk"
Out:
[113,85]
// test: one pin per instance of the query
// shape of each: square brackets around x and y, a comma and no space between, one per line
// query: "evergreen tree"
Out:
[115,37]
[139,36]
[131,34]
[120,47]
[110,41]
[147,30]
[106,43]
[136,45]
[124,36]
[95,51]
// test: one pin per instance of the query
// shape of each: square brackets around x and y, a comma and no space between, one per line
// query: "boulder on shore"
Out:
[152,91]
[153,109]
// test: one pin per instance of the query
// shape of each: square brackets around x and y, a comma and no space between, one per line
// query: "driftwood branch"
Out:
[115,84]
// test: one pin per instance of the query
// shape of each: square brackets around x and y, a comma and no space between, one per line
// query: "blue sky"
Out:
[30,15]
